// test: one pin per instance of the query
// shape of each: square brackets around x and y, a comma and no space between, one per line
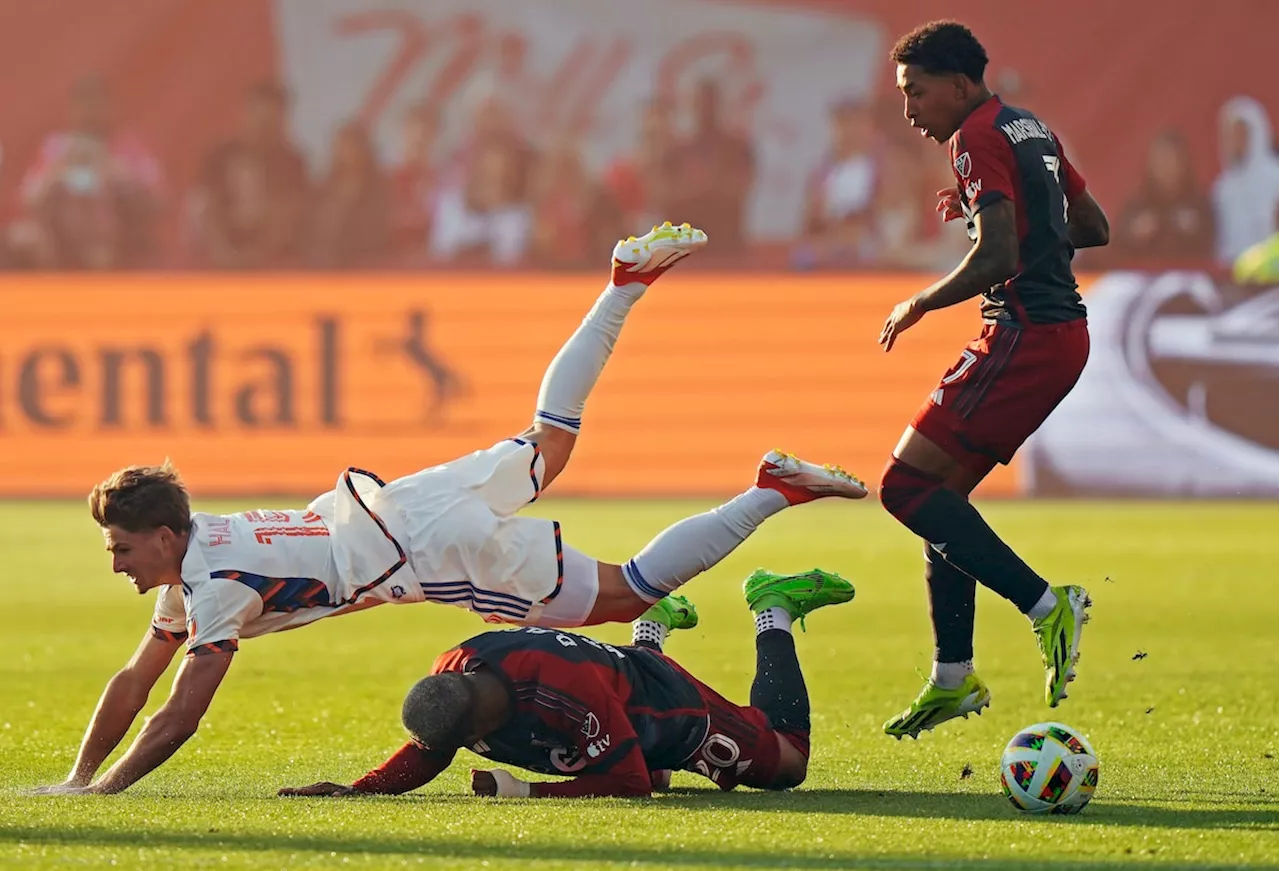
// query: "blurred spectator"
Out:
[712,173]
[837,220]
[351,214]
[906,231]
[482,208]
[483,220]
[574,219]
[91,198]
[414,182]
[639,182]
[1245,192]
[494,128]
[248,211]
[1169,217]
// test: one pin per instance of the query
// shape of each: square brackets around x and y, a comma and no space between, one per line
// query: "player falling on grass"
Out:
[448,534]
[1027,210]
[617,719]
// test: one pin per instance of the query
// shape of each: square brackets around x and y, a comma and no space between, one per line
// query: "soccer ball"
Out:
[1049,769]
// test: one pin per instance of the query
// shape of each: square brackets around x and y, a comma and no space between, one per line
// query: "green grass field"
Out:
[1187,735]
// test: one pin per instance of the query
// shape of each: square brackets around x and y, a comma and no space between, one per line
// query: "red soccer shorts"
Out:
[1004,386]
[741,748]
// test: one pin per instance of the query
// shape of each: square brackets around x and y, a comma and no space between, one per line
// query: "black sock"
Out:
[951,601]
[946,519]
[779,688]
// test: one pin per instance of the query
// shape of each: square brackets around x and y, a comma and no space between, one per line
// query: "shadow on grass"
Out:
[1257,813]
[1253,812]
[574,855]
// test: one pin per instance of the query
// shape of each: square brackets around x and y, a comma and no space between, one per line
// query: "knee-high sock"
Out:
[951,606]
[954,527]
[577,366]
[696,543]
[778,688]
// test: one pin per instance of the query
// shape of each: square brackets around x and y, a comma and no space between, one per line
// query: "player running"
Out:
[1027,211]
[615,718]
[448,534]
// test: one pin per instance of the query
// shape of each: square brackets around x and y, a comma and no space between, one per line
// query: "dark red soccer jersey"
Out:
[602,714]
[1001,152]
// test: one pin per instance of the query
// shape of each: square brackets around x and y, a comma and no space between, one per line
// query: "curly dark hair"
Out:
[438,709]
[941,48]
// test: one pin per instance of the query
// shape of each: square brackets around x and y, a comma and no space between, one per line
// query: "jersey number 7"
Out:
[1054,165]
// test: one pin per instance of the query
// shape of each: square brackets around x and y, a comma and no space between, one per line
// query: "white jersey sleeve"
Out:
[169,621]
[217,609]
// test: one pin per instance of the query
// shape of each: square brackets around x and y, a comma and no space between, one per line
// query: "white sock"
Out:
[648,631]
[695,544]
[950,675]
[577,366]
[1044,605]
[773,618]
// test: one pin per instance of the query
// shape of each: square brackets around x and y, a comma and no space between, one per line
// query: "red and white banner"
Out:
[1178,398]
[584,68]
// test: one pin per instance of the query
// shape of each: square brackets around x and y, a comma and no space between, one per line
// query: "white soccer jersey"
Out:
[447,534]
[264,571]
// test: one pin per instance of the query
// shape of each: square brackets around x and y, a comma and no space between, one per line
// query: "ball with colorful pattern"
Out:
[1049,768]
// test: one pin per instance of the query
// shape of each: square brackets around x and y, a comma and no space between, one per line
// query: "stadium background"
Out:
[177,287]
[178,279]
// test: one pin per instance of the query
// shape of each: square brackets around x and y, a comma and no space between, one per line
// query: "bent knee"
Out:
[793,762]
[791,775]
[555,445]
[903,487]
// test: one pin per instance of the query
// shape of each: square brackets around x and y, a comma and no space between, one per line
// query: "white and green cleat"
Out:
[799,595]
[936,705]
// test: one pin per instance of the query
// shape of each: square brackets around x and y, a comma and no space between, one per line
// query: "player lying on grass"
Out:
[1027,210]
[615,718]
[448,534]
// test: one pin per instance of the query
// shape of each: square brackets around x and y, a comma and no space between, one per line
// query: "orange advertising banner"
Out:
[259,384]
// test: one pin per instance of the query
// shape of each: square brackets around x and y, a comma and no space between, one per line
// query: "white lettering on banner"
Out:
[582,66]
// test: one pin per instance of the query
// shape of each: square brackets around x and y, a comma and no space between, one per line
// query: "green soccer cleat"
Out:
[673,612]
[799,594]
[1059,638]
[935,705]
